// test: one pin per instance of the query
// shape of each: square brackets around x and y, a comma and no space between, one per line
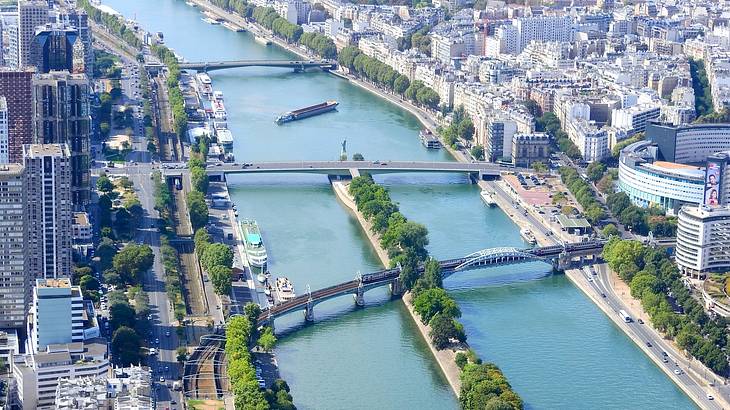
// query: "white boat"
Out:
[261,277]
[191,4]
[487,198]
[218,95]
[210,21]
[285,289]
[528,236]
[253,243]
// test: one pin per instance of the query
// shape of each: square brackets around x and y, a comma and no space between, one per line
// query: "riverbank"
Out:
[445,358]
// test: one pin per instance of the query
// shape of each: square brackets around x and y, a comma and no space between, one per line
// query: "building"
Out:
[530,148]
[57,47]
[499,135]
[703,240]
[4,137]
[635,118]
[130,388]
[82,393]
[688,143]
[14,283]
[56,315]
[543,29]
[82,232]
[16,87]
[79,20]
[49,210]
[9,345]
[61,115]
[36,375]
[31,14]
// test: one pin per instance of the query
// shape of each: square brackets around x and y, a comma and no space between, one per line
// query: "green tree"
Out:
[610,230]
[131,261]
[104,184]
[539,166]
[121,314]
[267,339]
[217,254]
[198,209]
[126,346]
[182,354]
[595,171]
[220,276]
[88,282]
[443,329]
[435,301]
[252,311]
[357,157]
[477,152]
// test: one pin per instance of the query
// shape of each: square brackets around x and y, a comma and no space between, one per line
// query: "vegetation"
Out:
[216,259]
[595,171]
[461,128]
[106,65]
[113,23]
[477,151]
[132,261]
[616,150]
[126,346]
[551,124]
[420,40]
[174,94]
[583,193]
[641,220]
[483,386]
[701,87]
[242,375]
[654,279]
[163,200]
[384,76]
[198,209]
[292,33]
[173,278]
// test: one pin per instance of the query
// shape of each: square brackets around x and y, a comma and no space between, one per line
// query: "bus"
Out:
[625,316]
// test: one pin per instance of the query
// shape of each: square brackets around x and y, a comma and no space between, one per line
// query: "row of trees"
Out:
[114,24]
[641,220]
[197,207]
[174,94]
[269,18]
[583,193]
[550,124]
[384,76]
[242,375]
[216,259]
[701,87]
[404,240]
[128,322]
[484,386]
[461,128]
[654,279]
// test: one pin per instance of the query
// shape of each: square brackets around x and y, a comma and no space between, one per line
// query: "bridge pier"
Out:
[309,312]
[360,297]
[396,288]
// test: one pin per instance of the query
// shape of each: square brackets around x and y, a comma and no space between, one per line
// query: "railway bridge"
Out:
[560,256]
[296,65]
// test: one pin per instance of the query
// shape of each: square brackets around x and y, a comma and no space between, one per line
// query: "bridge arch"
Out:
[495,256]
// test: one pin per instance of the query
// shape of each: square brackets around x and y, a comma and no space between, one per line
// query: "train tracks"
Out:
[204,374]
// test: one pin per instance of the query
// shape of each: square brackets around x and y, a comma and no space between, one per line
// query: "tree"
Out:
[199,179]
[105,252]
[104,184]
[435,301]
[252,311]
[432,274]
[182,354]
[610,230]
[198,209]
[121,314]
[539,167]
[217,254]
[126,346]
[442,330]
[131,261]
[357,157]
[477,152]
[595,171]
[401,84]
[88,282]
[267,339]
[461,360]
[220,276]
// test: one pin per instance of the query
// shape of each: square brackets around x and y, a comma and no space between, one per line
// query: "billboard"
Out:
[713,182]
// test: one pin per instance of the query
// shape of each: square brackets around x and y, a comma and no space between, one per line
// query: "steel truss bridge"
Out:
[296,65]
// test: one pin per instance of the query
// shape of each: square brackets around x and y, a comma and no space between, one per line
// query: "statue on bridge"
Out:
[343,152]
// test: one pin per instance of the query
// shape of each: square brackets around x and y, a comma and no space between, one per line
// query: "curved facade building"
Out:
[703,240]
[668,169]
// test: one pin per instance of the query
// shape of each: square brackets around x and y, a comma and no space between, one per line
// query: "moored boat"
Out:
[528,236]
[487,198]
[284,289]
[253,243]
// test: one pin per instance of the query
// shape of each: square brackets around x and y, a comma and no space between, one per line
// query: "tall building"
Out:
[16,86]
[61,116]
[499,139]
[49,210]
[4,144]
[542,29]
[57,314]
[31,14]
[14,283]
[10,47]
[80,21]
[703,240]
[57,47]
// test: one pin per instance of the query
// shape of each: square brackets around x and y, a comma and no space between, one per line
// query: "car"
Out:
[162,379]
[157,341]
[172,401]
[149,317]
[603,295]
[665,360]
[664,354]
[710,397]
[167,333]
[648,344]
[641,322]
[677,372]
[167,368]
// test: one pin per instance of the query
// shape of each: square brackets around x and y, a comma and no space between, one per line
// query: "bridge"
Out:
[354,168]
[296,65]
[560,256]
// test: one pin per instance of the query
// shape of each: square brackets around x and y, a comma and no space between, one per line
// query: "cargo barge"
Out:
[306,112]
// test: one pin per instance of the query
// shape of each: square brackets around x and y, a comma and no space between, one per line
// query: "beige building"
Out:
[14,283]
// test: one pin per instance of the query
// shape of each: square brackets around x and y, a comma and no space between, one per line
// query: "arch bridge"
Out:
[560,256]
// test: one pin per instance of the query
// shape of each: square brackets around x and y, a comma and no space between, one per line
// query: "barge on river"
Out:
[307,112]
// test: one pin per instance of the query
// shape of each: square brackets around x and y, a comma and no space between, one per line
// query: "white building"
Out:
[542,29]
[37,375]
[591,140]
[82,393]
[57,314]
[703,240]
[31,14]
[635,118]
[498,144]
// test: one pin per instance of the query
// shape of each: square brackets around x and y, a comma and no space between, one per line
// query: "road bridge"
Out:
[296,65]
[348,168]
[560,256]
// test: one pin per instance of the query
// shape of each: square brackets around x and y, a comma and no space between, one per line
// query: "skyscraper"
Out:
[48,209]
[80,21]
[4,159]
[14,283]
[61,116]
[15,86]
[57,47]
[31,14]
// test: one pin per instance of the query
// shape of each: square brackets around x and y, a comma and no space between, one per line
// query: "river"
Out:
[555,346]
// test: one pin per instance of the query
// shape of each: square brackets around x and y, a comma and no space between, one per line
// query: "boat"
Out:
[210,20]
[252,242]
[262,40]
[267,290]
[219,110]
[429,140]
[528,236]
[191,4]
[233,27]
[218,95]
[261,277]
[487,198]
[284,289]
[306,112]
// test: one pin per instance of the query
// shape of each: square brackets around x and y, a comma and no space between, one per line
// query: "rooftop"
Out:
[81,218]
[572,223]
[44,150]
